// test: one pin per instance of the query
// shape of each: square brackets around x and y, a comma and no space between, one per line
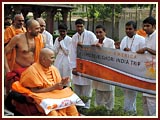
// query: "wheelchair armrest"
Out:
[22,98]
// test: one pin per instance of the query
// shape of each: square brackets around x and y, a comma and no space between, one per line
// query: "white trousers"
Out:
[129,100]
[149,106]
[83,90]
[105,98]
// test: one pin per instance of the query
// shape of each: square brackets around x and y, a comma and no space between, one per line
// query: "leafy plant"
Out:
[118,108]
[102,111]
[85,98]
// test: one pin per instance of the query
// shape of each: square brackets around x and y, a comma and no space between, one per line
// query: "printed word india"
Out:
[134,63]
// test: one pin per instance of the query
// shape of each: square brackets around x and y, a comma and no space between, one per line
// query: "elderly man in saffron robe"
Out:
[44,81]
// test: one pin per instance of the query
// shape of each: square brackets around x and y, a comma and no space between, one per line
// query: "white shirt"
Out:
[151,43]
[62,49]
[108,43]
[49,39]
[87,38]
[134,43]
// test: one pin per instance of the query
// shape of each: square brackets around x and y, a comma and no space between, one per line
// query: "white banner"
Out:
[126,69]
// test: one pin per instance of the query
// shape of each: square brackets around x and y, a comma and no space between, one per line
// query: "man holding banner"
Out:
[131,43]
[82,86]
[104,93]
[149,25]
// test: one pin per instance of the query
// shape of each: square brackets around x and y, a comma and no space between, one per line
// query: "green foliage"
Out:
[118,107]
[116,38]
[55,36]
[80,14]
[134,5]
[102,111]
[69,33]
[103,11]
[119,99]
[85,98]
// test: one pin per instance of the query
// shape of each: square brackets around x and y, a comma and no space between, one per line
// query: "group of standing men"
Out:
[136,43]
[22,50]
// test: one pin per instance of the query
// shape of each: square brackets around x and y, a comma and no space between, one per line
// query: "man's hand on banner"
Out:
[98,45]
[127,49]
[74,71]
[80,44]
[141,51]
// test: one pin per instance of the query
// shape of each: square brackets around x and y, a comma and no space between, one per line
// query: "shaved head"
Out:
[32,27]
[40,20]
[45,52]
[46,57]
[18,21]
[30,23]
[17,16]
[42,24]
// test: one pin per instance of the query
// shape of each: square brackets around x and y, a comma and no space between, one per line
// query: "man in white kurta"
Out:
[49,39]
[104,93]
[61,47]
[132,42]
[149,25]
[82,86]
[47,36]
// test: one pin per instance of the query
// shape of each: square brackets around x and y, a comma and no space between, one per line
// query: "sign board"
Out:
[116,67]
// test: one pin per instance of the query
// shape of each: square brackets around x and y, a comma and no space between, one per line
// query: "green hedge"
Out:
[102,111]
[69,33]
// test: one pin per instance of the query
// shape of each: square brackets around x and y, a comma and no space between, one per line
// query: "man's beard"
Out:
[34,34]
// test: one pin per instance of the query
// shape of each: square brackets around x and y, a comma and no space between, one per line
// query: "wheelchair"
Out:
[17,103]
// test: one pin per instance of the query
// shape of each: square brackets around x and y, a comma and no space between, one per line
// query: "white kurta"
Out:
[151,41]
[135,43]
[108,43]
[87,38]
[149,101]
[62,50]
[104,93]
[49,39]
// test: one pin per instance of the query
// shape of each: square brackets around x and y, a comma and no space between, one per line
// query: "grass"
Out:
[119,99]
[118,106]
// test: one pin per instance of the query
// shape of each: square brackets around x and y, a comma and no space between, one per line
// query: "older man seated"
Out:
[43,83]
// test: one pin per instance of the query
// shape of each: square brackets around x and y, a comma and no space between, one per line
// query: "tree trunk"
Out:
[113,20]
[87,17]
[70,21]
[136,13]
[93,20]
[151,9]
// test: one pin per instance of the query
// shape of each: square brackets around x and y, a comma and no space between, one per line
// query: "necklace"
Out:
[81,38]
[131,43]
[30,49]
